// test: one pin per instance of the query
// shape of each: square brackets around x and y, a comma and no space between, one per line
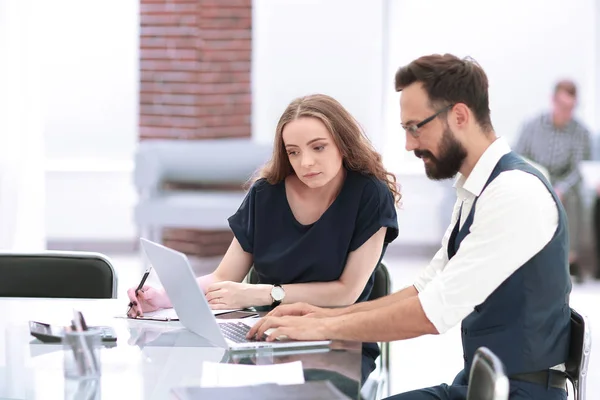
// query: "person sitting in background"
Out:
[558,142]
[315,222]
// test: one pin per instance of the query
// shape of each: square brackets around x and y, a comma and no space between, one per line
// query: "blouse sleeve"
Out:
[377,210]
[242,222]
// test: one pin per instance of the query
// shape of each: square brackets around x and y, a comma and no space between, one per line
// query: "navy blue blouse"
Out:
[285,251]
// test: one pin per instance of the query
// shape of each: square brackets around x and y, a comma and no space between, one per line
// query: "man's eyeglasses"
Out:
[413,129]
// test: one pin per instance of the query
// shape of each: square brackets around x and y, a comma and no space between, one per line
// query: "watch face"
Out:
[277,293]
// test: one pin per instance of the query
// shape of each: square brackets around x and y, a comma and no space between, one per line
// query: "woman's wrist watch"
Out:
[277,295]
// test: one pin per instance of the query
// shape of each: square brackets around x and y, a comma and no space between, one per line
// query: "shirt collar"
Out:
[480,174]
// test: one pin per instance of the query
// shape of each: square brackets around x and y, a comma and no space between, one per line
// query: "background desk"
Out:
[148,360]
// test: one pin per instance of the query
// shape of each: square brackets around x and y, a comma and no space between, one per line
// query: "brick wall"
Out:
[195,68]
[195,83]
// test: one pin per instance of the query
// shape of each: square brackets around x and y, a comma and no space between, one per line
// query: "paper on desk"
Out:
[169,314]
[229,375]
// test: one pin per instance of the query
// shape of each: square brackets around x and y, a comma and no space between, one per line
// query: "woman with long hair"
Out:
[315,222]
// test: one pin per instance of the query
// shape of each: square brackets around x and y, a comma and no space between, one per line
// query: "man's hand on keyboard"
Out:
[289,327]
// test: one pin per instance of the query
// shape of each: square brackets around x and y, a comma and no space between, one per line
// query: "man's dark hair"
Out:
[448,80]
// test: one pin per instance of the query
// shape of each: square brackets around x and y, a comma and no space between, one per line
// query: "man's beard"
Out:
[452,155]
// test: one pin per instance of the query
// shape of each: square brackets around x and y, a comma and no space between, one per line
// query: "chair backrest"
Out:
[197,162]
[252,276]
[579,353]
[382,285]
[487,379]
[57,274]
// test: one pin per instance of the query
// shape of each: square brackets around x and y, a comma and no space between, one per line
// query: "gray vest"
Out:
[526,320]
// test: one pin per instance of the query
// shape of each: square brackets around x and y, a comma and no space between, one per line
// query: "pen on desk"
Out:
[91,355]
[140,286]
[87,361]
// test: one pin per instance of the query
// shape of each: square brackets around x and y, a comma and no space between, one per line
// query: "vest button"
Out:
[465,358]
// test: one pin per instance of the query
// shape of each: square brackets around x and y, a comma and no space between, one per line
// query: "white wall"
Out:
[89,204]
[91,78]
[302,47]
[90,71]
[597,66]
[21,119]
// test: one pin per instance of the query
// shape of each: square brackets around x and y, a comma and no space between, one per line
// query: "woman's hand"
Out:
[148,299]
[228,295]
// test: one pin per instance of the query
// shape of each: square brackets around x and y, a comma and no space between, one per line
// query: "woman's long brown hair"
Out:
[357,152]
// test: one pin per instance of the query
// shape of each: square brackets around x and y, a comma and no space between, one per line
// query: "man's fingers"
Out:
[273,335]
[297,309]
[280,311]
[252,332]
[275,312]
[277,333]
[268,323]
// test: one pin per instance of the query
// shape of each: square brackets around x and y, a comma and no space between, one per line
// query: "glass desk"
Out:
[148,360]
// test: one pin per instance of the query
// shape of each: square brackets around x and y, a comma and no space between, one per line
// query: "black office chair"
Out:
[252,276]
[487,379]
[382,286]
[59,274]
[579,353]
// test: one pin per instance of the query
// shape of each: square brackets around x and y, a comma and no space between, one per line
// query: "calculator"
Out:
[53,334]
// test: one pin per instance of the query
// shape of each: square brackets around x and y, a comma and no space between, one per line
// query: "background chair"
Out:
[192,184]
[487,379]
[379,379]
[579,354]
[57,274]
[377,385]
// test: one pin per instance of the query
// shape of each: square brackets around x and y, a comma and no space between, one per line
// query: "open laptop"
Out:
[175,273]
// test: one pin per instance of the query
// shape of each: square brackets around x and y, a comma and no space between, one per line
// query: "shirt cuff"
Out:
[432,301]
[419,284]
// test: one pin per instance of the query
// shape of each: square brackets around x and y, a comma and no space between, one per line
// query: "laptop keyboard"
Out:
[237,331]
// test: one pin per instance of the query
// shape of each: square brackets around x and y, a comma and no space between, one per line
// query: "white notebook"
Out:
[169,314]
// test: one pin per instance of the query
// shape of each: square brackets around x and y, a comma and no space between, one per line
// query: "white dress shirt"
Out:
[514,219]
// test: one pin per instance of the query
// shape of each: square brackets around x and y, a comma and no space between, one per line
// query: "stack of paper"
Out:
[229,375]
[169,314]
